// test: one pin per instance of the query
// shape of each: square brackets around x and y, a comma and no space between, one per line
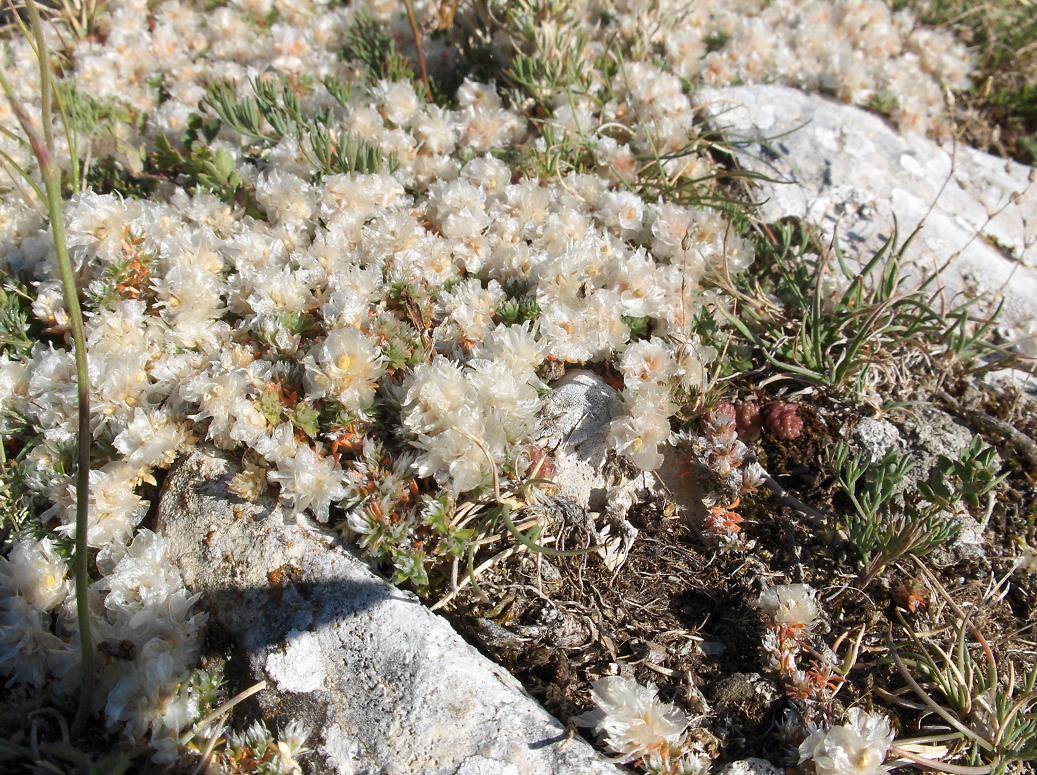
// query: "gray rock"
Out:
[848,170]
[573,427]
[1012,379]
[751,767]
[876,437]
[384,685]
[750,693]
[931,432]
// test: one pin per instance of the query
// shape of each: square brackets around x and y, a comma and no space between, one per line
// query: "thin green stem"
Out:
[43,57]
[68,283]
[24,174]
[51,173]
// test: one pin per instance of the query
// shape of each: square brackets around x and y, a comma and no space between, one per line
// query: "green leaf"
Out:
[306,418]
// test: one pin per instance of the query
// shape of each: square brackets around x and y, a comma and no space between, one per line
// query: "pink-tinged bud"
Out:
[783,421]
[541,463]
[721,419]
[750,423]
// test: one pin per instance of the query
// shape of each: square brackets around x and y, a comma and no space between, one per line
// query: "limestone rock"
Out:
[876,437]
[384,685]
[930,433]
[573,428]
[751,767]
[851,172]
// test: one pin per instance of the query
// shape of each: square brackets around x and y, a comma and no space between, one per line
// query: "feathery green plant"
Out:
[368,43]
[887,522]
[273,112]
[342,152]
[881,529]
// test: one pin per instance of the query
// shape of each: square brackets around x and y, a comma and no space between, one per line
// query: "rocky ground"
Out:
[608,388]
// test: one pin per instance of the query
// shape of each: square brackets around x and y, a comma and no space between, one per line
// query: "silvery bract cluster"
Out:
[790,605]
[632,720]
[856,748]
[369,340]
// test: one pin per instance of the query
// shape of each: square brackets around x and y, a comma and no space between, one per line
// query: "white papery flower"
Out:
[790,605]
[27,646]
[631,718]
[309,481]
[647,362]
[115,507]
[623,211]
[49,306]
[51,393]
[216,394]
[34,570]
[464,420]
[14,388]
[454,458]
[118,384]
[146,693]
[490,174]
[689,763]
[397,101]
[506,400]
[641,284]
[692,358]
[286,197]
[137,577]
[856,748]
[96,224]
[437,395]
[250,483]
[515,346]
[436,131]
[345,366]
[645,425]
[278,444]
[291,745]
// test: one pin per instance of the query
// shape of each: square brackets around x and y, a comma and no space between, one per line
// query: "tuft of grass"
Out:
[982,706]
[809,316]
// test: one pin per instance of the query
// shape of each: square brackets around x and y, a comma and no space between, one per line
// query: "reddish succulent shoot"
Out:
[750,423]
[782,420]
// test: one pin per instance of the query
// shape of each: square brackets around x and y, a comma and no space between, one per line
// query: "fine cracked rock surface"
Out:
[751,767]
[385,686]
[573,428]
[852,173]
